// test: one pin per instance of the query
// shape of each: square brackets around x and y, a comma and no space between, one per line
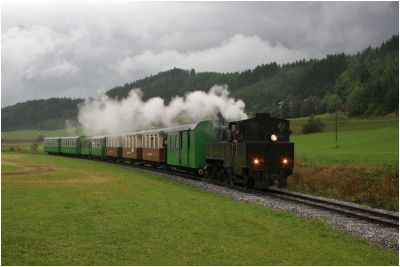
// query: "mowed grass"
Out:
[377,146]
[64,211]
[33,134]
[31,147]
[347,123]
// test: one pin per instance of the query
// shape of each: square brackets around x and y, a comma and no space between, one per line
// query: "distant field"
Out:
[347,124]
[64,211]
[378,146]
[22,147]
[33,134]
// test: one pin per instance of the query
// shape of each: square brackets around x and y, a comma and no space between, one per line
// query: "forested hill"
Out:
[44,114]
[364,83]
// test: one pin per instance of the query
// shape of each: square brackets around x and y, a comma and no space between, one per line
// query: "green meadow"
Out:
[33,134]
[346,123]
[377,146]
[360,140]
[65,211]
[363,168]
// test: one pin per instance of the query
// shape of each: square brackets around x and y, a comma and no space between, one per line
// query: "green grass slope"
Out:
[377,146]
[347,123]
[33,134]
[64,211]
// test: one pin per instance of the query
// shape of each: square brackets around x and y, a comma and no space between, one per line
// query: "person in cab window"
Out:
[237,135]
[232,133]
[222,134]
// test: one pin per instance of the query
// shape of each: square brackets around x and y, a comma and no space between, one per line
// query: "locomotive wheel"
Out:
[210,172]
[282,182]
[231,179]
[225,178]
[249,182]
[228,178]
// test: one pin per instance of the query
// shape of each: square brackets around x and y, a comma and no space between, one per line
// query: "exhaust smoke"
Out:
[103,115]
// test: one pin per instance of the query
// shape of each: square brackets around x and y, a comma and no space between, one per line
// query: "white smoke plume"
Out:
[71,127]
[103,115]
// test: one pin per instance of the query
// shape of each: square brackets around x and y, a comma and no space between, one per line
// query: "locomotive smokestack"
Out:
[221,120]
[262,115]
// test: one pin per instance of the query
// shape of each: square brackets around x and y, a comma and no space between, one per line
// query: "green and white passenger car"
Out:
[71,145]
[98,146]
[52,145]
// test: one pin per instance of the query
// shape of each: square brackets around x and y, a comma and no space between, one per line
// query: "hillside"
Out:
[364,83]
[44,114]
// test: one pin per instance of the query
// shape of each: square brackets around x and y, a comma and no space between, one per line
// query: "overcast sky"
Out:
[78,49]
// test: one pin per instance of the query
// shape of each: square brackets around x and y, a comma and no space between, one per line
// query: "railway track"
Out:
[382,217]
[386,218]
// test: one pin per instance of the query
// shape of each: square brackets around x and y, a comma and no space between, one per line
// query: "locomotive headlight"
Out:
[285,161]
[256,161]
[273,137]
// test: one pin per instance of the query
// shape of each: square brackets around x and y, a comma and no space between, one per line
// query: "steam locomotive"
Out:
[255,152]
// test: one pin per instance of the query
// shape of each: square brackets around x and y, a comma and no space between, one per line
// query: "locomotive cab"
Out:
[260,128]
[256,152]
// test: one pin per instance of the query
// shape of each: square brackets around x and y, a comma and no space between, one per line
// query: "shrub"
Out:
[34,147]
[40,138]
[313,125]
[375,186]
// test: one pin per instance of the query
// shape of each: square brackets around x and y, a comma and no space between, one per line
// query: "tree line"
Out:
[44,114]
[365,83]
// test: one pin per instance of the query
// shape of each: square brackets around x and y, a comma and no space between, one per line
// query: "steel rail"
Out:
[350,209]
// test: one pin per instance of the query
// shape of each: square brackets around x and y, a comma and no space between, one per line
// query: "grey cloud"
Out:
[231,55]
[79,48]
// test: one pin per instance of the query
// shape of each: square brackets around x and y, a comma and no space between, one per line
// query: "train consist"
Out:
[255,152]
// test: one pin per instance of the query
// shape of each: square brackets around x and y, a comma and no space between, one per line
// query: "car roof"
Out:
[178,128]
[71,137]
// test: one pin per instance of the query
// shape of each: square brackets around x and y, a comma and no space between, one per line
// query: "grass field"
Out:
[368,140]
[31,147]
[347,123]
[362,169]
[33,134]
[377,146]
[63,211]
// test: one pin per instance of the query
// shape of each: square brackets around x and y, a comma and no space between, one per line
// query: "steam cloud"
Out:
[104,115]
